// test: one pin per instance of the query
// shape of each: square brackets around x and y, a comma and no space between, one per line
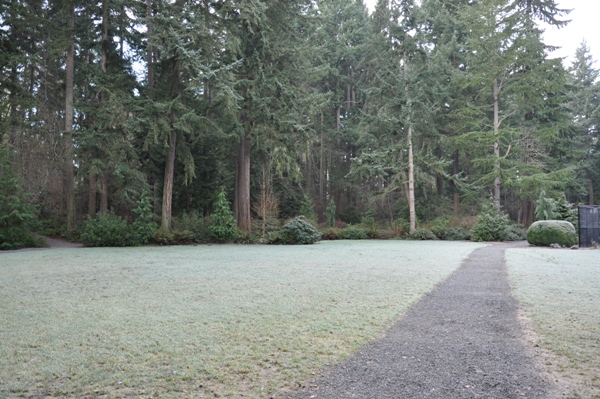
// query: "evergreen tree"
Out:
[584,106]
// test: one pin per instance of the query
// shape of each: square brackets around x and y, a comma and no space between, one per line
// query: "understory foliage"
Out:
[494,225]
[110,230]
[223,228]
[298,231]
[16,215]
[106,230]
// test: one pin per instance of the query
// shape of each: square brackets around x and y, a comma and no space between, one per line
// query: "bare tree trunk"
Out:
[103,192]
[103,99]
[69,168]
[455,194]
[243,200]
[92,195]
[149,50]
[496,93]
[411,182]
[322,195]
[411,169]
[591,190]
[167,202]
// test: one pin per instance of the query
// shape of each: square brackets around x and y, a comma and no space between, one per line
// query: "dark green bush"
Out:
[457,234]
[515,233]
[224,228]
[423,234]
[246,237]
[438,227]
[106,230]
[491,226]
[351,215]
[198,225]
[353,233]
[331,233]
[143,228]
[547,232]
[299,231]
[16,216]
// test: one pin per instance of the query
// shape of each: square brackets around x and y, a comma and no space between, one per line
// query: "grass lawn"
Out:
[560,291]
[204,321]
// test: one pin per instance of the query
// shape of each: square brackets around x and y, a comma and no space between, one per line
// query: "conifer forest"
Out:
[191,111]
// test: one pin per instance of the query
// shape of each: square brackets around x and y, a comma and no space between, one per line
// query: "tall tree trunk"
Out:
[104,192]
[411,182]
[591,190]
[411,169]
[69,168]
[455,193]
[165,222]
[103,99]
[496,95]
[149,50]
[92,195]
[243,183]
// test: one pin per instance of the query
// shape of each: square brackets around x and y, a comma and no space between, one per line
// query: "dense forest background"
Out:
[421,110]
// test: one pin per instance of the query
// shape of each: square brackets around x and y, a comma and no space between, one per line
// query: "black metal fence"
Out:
[589,226]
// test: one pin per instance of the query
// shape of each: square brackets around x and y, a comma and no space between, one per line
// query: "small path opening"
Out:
[463,340]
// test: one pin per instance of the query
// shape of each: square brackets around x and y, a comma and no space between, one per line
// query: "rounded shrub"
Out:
[491,226]
[457,234]
[299,231]
[547,232]
[423,234]
[106,230]
[353,233]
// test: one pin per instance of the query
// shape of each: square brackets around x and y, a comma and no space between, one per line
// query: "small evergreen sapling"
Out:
[223,229]
[143,227]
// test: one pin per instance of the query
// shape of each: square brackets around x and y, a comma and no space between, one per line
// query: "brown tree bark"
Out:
[496,189]
[92,182]
[243,184]
[455,193]
[104,192]
[69,168]
[167,204]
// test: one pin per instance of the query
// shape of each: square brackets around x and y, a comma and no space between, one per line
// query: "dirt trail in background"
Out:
[463,340]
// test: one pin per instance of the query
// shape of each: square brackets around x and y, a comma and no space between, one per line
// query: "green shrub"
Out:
[164,237]
[491,226]
[351,215]
[515,233]
[423,234]
[246,237]
[331,233]
[224,228]
[143,227]
[438,227]
[16,216]
[198,225]
[547,232]
[457,234]
[106,230]
[299,231]
[353,233]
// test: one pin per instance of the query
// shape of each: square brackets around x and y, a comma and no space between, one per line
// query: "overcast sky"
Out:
[585,24]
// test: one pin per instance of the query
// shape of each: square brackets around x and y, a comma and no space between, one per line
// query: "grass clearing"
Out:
[560,291]
[201,321]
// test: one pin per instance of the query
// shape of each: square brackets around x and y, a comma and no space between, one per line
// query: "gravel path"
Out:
[463,340]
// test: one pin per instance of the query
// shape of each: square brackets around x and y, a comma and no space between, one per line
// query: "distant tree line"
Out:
[419,110]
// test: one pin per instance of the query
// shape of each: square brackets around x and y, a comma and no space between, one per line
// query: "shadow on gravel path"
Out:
[463,340]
